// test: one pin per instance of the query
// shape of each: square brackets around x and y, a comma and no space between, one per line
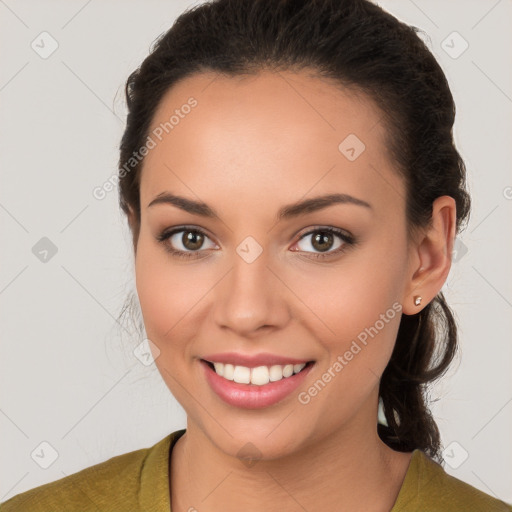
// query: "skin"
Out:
[276,136]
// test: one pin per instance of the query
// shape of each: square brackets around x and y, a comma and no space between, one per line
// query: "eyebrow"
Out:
[286,212]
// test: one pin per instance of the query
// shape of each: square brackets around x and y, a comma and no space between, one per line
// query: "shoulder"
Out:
[113,485]
[428,487]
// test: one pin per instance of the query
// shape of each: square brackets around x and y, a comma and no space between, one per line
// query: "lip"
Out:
[251,396]
[252,360]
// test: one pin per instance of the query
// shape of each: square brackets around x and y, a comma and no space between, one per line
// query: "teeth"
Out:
[219,368]
[258,376]
[288,370]
[242,374]
[228,372]
[298,367]
[276,372]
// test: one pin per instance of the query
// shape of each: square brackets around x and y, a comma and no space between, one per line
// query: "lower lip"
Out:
[251,396]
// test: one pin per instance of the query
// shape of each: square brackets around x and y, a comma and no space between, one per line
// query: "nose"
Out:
[251,299]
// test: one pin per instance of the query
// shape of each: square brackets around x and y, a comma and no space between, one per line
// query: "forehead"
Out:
[276,135]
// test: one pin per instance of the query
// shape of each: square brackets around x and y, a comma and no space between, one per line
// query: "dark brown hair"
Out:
[362,47]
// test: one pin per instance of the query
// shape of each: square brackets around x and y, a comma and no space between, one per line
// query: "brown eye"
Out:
[192,240]
[323,242]
[185,242]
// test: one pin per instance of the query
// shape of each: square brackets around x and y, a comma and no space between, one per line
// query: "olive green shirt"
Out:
[139,481]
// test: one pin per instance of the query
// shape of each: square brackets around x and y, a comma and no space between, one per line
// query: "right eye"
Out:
[190,239]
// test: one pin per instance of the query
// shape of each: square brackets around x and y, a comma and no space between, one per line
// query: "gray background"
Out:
[68,373]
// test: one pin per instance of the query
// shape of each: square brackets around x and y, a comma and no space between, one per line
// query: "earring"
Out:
[417,300]
[381,416]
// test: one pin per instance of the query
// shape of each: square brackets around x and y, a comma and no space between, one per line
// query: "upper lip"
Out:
[253,360]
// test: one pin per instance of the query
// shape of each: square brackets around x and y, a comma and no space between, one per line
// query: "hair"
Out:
[360,47]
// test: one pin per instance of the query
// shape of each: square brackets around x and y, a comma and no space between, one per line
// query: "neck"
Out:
[346,472]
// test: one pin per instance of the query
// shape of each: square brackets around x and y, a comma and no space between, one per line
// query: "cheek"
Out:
[166,299]
[357,304]
[164,294]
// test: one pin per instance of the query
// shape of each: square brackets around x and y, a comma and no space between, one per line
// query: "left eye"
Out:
[323,240]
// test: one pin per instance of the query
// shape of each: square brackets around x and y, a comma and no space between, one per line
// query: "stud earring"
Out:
[417,300]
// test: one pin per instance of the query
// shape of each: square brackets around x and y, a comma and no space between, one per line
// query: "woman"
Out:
[289,176]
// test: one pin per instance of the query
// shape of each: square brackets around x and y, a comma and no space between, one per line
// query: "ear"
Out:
[130,216]
[134,227]
[431,256]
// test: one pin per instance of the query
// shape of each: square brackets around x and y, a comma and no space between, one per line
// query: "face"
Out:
[322,285]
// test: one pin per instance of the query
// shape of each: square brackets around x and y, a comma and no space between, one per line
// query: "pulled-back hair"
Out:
[361,47]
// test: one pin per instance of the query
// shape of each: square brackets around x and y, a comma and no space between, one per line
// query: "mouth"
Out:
[256,387]
[259,375]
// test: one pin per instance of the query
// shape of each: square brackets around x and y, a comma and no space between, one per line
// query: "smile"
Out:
[257,387]
[259,376]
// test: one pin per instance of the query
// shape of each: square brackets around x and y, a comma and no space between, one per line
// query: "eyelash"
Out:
[349,241]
